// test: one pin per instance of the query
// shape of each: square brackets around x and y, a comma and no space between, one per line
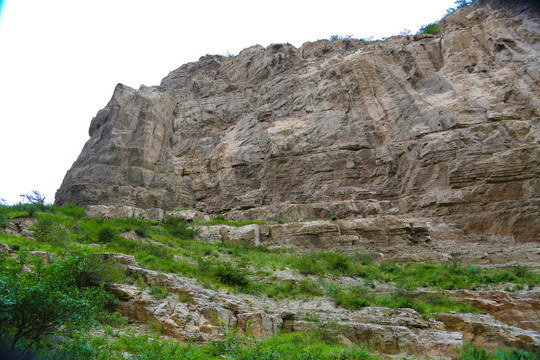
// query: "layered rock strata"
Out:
[441,127]
[192,312]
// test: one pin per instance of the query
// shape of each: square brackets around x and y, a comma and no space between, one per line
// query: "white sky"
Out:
[61,59]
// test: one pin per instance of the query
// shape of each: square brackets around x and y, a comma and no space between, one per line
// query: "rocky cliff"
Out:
[443,128]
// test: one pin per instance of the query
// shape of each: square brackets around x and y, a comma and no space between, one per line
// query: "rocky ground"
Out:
[192,310]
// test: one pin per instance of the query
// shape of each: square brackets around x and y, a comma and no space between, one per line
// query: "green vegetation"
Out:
[402,297]
[472,353]
[168,246]
[339,37]
[432,28]
[38,300]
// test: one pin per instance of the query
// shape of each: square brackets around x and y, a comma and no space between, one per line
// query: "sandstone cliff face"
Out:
[442,127]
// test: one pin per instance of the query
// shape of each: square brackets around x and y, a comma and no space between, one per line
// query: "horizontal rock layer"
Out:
[439,127]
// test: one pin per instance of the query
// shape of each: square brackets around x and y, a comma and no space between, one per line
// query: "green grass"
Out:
[424,303]
[289,346]
[294,346]
[168,246]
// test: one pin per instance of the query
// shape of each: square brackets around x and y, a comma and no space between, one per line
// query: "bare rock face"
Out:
[439,127]
[484,331]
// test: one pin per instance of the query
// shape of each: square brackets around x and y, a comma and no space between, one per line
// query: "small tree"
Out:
[463,3]
[432,28]
[37,300]
[33,202]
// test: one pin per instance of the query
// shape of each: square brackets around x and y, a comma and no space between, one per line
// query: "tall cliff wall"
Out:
[441,127]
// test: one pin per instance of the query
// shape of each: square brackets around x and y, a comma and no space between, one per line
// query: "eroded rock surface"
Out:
[193,312]
[441,127]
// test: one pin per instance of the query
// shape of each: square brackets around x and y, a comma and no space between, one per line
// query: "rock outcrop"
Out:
[443,127]
[193,312]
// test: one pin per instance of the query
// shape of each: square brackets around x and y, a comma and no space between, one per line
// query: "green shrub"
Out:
[337,263]
[159,292]
[432,28]
[106,234]
[43,227]
[309,265]
[220,217]
[472,353]
[334,218]
[515,354]
[72,210]
[4,219]
[95,271]
[177,227]
[143,229]
[229,275]
[46,294]
[362,258]
[32,203]
[354,298]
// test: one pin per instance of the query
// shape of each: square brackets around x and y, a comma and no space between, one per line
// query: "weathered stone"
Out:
[441,127]
[4,247]
[219,316]
[248,234]
[118,258]
[189,215]
[517,309]
[486,332]
[260,324]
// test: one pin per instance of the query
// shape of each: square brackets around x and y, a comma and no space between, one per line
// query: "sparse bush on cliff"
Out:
[432,28]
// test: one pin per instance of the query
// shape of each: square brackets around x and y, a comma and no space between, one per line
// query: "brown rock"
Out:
[486,332]
[520,309]
[260,324]
[439,127]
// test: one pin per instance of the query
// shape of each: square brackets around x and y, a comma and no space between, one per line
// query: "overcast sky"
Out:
[60,60]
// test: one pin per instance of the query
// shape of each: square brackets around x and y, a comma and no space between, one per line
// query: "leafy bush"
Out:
[43,227]
[337,263]
[432,28]
[230,275]
[470,352]
[72,210]
[309,265]
[177,227]
[3,219]
[105,234]
[40,300]
[322,263]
